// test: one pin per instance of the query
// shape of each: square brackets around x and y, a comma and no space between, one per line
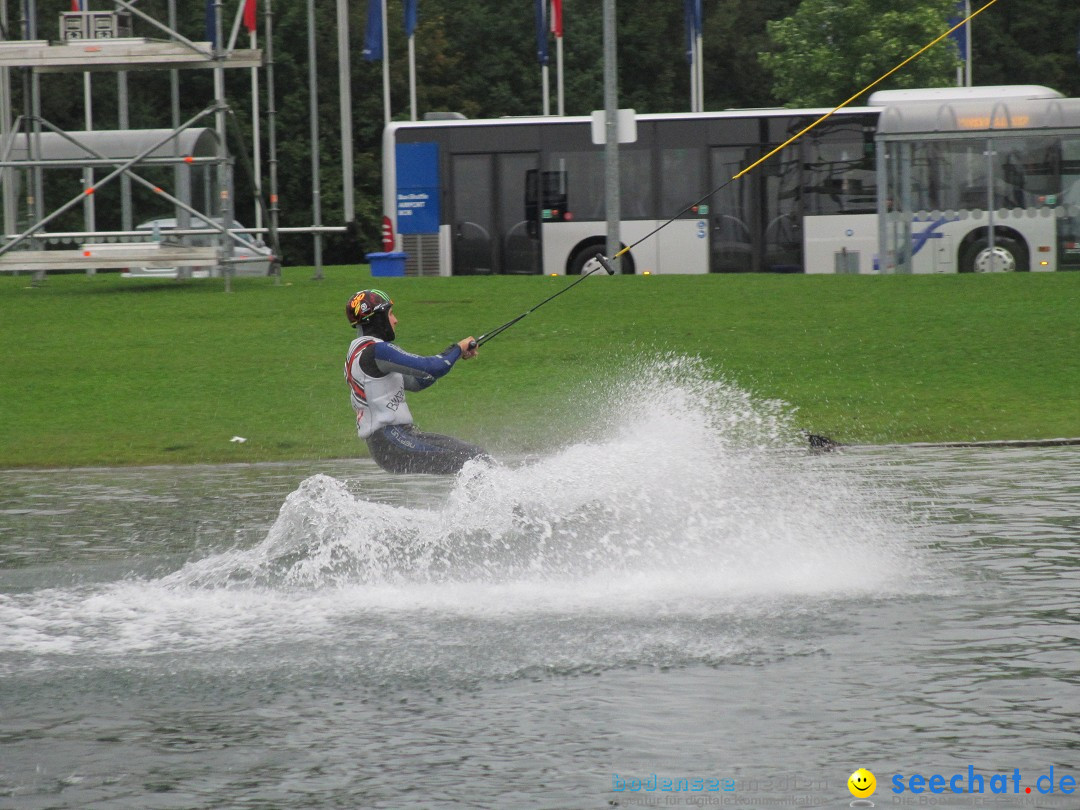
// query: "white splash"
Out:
[695,484]
[691,498]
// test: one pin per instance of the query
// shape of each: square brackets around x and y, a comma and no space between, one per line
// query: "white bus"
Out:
[930,181]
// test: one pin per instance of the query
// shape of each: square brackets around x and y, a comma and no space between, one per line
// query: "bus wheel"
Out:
[1007,256]
[583,256]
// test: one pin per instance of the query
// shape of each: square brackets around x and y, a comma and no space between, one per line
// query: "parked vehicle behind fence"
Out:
[254,255]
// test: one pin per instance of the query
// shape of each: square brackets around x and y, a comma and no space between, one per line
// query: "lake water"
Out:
[680,611]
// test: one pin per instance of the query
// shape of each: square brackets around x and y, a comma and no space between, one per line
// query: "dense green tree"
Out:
[735,34]
[828,50]
[1034,42]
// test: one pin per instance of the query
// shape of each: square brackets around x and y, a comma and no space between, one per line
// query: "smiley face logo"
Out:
[862,783]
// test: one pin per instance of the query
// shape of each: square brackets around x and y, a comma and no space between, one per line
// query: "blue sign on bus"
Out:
[417,187]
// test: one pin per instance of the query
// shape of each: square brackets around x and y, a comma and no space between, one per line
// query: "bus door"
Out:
[781,212]
[473,206]
[518,222]
[734,230]
[1069,225]
[492,232]
[755,221]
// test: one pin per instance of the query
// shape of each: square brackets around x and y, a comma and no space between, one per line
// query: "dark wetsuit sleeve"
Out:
[419,371]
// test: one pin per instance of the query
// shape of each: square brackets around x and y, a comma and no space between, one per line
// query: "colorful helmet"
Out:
[369,311]
[366,303]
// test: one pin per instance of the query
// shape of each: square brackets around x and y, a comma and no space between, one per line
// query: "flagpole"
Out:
[88,173]
[410,7]
[542,52]
[345,102]
[693,83]
[313,114]
[557,29]
[691,51]
[559,61]
[385,65]
[611,130]
[256,138]
[412,76]
[967,44]
[89,217]
[235,32]
[271,136]
[699,69]
[547,92]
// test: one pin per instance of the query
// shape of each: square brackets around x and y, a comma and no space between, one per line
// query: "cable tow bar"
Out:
[603,263]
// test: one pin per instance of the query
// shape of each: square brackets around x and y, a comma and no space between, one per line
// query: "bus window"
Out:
[682,177]
[839,171]
[545,196]
[1031,170]
[636,197]
[581,177]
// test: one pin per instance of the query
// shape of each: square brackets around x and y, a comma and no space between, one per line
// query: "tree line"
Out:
[479,58]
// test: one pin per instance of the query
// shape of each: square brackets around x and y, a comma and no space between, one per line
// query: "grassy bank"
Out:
[104,370]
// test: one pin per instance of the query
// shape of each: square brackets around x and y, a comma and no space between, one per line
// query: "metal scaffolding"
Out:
[100,42]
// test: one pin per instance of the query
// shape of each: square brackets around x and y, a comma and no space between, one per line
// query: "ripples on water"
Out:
[716,583]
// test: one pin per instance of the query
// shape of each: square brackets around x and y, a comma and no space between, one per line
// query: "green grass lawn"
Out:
[103,370]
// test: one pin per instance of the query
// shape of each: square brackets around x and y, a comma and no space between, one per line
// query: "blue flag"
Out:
[960,35]
[692,10]
[410,17]
[541,32]
[373,34]
[211,23]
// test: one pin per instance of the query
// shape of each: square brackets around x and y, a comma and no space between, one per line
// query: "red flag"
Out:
[556,17]
[249,15]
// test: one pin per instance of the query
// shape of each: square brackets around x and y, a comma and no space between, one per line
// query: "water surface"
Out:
[714,604]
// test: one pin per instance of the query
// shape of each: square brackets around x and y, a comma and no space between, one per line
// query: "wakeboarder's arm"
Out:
[419,371]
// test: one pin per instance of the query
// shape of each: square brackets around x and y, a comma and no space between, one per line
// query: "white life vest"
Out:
[378,401]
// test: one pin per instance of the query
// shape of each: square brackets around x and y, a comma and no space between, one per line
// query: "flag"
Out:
[249,15]
[556,17]
[373,35]
[211,23]
[541,32]
[692,10]
[960,35]
[410,17]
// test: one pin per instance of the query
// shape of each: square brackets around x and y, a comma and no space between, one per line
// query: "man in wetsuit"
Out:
[379,373]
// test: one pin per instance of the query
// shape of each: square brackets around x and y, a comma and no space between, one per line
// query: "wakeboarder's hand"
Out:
[468,348]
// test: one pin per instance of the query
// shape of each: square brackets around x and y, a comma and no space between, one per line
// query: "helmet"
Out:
[369,310]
